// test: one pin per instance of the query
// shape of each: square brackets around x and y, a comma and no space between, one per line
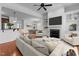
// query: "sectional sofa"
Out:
[42,46]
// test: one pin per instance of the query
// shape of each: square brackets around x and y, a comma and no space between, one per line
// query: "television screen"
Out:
[55,20]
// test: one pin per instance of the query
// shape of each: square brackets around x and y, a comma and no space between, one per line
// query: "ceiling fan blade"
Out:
[36,5]
[48,5]
[44,8]
[39,8]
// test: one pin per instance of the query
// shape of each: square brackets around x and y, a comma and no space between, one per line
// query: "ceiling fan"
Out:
[42,5]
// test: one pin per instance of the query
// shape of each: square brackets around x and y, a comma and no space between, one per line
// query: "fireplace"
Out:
[55,33]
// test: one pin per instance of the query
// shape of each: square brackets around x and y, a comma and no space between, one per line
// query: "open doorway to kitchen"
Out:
[4,22]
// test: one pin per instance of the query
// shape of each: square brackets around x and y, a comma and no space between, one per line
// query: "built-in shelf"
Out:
[72,19]
[45,23]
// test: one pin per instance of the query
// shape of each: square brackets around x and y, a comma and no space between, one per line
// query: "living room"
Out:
[57,22]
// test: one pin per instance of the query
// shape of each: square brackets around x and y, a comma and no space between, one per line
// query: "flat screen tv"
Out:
[55,20]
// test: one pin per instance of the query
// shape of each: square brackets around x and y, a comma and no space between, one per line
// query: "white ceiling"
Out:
[56,6]
[51,8]
[10,12]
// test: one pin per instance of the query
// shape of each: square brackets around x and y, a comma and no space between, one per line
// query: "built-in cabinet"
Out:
[72,21]
[45,23]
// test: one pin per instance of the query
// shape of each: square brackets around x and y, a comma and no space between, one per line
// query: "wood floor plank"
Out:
[9,49]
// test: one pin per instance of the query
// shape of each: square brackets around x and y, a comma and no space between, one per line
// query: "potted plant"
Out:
[9,25]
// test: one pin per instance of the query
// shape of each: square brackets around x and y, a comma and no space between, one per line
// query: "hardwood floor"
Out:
[78,49]
[9,49]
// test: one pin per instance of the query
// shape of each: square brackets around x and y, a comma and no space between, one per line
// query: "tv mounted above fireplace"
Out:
[55,20]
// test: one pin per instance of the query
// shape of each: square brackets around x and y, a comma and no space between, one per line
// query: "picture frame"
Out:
[73,27]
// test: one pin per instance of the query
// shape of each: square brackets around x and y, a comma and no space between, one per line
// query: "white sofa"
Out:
[30,50]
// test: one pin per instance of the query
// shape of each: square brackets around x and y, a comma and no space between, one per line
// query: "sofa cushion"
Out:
[51,45]
[40,41]
[40,47]
[58,50]
[26,39]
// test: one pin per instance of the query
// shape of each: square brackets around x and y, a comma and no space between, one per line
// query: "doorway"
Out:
[4,22]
